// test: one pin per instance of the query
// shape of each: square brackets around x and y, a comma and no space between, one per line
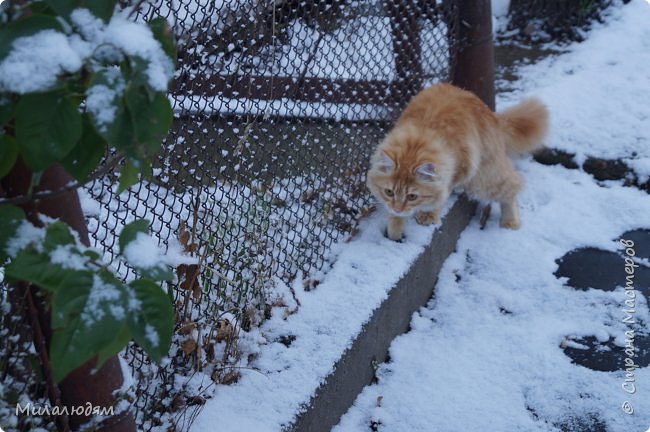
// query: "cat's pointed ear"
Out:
[383,162]
[426,172]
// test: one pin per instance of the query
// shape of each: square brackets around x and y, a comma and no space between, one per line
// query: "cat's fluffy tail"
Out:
[525,126]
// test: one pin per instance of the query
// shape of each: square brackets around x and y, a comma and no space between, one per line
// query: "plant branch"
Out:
[136,8]
[41,348]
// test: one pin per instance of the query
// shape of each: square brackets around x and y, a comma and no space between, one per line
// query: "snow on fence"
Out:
[277,105]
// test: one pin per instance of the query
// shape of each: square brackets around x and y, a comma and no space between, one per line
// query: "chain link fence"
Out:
[277,107]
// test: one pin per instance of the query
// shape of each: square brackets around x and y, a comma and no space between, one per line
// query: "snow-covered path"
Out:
[486,354]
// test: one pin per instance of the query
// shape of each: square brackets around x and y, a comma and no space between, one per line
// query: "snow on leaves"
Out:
[80,81]
[93,312]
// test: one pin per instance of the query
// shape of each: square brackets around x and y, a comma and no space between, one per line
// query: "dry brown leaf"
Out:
[353,234]
[310,284]
[279,302]
[230,378]
[178,402]
[183,236]
[188,275]
[366,211]
[253,315]
[224,330]
[309,196]
[195,400]
[187,328]
[196,291]
[189,346]
[210,353]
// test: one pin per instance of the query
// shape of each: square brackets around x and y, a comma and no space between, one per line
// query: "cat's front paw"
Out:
[427,218]
[395,236]
[512,224]
[395,228]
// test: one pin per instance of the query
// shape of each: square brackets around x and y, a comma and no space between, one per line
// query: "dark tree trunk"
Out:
[82,386]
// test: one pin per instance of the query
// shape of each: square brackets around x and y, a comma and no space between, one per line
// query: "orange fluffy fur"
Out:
[448,138]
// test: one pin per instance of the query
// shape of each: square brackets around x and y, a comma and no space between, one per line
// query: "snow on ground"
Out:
[487,346]
[500,14]
[280,378]
[500,8]
[485,354]
[329,318]
[598,91]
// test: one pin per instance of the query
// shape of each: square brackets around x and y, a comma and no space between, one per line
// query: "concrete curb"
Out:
[354,370]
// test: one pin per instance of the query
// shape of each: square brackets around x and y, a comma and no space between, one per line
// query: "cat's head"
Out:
[408,173]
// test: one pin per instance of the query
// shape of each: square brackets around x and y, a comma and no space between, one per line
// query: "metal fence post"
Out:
[474,69]
[405,34]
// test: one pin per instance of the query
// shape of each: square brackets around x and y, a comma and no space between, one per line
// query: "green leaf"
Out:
[87,154]
[8,154]
[63,7]
[100,8]
[139,78]
[10,219]
[68,301]
[6,111]
[68,351]
[161,272]
[128,177]
[72,302]
[152,118]
[48,126]
[122,338]
[57,234]
[42,8]
[27,26]
[164,35]
[131,231]
[142,119]
[89,310]
[93,314]
[38,269]
[119,132]
[152,327]
[158,272]
[92,254]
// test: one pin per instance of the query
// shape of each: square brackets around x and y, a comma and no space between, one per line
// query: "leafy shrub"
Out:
[79,81]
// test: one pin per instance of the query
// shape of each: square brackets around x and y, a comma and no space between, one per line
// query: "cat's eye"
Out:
[411,197]
[389,192]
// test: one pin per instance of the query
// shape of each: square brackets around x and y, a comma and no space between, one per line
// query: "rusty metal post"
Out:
[82,386]
[474,69]
[405,34]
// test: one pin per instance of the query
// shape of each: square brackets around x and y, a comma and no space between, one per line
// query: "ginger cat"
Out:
[448,138]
